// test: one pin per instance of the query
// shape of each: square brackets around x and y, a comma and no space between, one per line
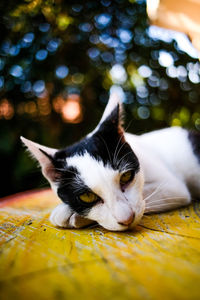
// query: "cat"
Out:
[113,177]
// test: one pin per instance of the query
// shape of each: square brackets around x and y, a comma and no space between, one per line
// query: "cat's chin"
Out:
[117,229]
[122,227]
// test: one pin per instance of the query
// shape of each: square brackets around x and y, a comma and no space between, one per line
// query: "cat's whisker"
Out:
[66,179]
[121,159]
[129,124]
[163,199]
[63,170]
[157,208]
[105,144]
[116,153]
[125,165]
[161,204]
[119,150]
[66,184]
[155,191]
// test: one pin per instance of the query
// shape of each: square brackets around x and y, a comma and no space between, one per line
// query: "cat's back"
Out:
[166,144]
[176,147]
[167,141]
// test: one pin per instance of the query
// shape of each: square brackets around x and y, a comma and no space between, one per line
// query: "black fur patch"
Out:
[69,190]
[194,138]
[107,145]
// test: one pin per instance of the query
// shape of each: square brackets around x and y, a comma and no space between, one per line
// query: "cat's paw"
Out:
[63,216]
[60,216]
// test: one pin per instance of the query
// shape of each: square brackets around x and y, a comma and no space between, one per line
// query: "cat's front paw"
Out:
[63,216]
[60,216]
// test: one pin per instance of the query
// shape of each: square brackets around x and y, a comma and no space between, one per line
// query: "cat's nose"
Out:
[128,221]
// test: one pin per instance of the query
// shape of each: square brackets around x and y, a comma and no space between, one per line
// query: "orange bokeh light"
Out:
[6,109]
[70,108]
[58,103]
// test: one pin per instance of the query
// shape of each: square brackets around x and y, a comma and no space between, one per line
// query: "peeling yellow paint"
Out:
[160,259]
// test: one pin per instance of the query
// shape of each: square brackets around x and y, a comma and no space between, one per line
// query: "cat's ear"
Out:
[113,110]
[44,156]
[112,116]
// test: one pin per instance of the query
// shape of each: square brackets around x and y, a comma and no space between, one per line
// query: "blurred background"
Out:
[60,59]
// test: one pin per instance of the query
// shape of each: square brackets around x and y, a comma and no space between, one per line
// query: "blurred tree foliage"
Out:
[58,61]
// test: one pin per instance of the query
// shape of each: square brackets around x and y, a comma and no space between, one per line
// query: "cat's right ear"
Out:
[114,105]
[112,116]
[44,156]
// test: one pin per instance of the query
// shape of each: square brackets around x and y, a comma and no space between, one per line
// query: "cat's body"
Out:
[170,167]
[113,177]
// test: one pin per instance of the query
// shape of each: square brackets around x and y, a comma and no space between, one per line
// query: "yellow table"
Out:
[160,259]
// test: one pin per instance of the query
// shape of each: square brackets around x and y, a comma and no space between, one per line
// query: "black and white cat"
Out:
[113,177]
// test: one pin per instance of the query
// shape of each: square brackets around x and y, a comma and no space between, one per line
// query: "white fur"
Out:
[170,168]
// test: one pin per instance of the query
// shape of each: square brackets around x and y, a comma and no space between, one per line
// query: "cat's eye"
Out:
[88,197]
[126,177]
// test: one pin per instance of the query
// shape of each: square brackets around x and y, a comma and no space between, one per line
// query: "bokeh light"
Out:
[71,110]
[38,87]
[41,54]
[61,72]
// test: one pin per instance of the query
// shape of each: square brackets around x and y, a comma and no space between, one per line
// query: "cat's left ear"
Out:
[44,155]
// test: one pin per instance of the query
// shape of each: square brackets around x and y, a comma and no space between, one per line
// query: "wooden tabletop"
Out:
[160,259]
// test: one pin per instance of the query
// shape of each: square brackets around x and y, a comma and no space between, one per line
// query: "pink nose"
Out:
[128,221]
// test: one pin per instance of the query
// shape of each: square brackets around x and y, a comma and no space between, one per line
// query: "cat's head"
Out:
[99,177]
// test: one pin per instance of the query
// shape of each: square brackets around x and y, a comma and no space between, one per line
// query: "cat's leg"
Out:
[165,195]
[63,216]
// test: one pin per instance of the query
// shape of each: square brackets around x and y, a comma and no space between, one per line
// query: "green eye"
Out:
[126,177]
[88,197]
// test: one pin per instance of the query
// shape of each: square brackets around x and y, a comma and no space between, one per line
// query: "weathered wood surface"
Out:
[160,259]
